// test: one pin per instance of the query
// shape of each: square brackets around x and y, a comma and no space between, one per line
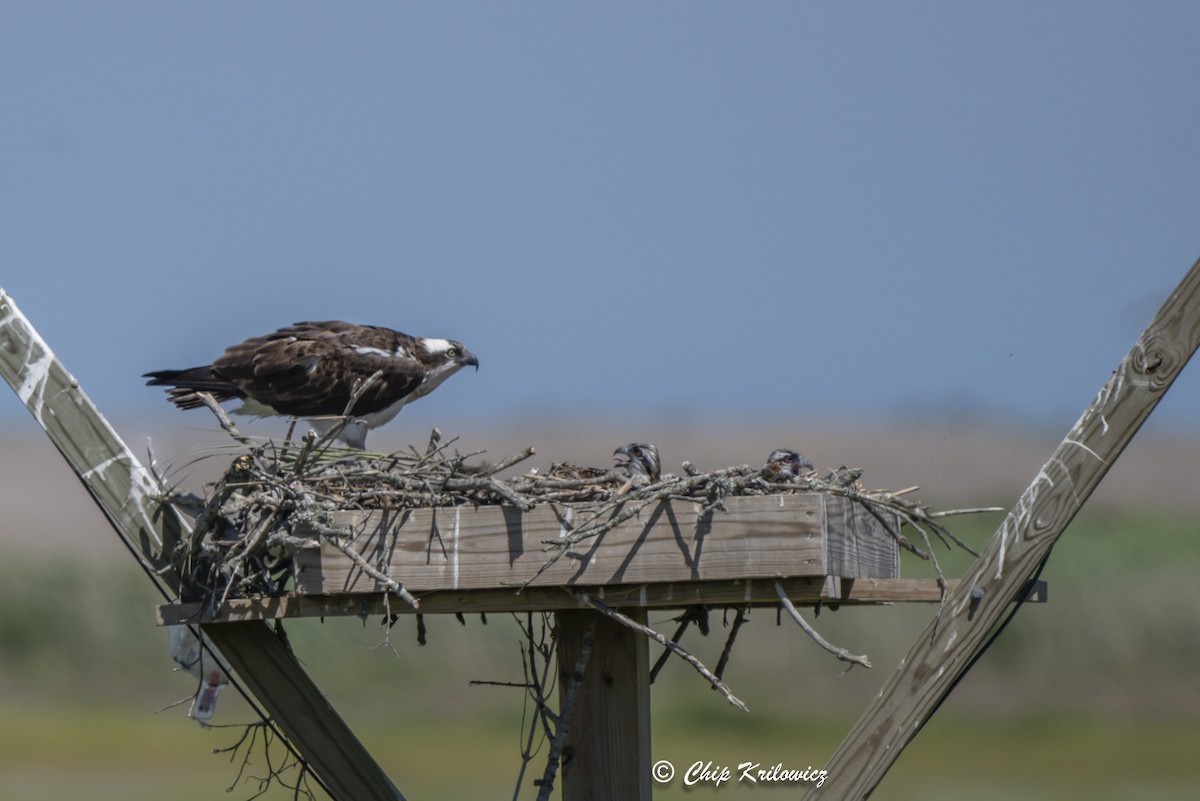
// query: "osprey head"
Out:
[785,465]
[638,459]
[444,354]
[441,359]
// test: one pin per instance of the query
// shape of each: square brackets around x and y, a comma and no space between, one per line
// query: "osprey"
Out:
[786,466]
[310,370]
[639,461]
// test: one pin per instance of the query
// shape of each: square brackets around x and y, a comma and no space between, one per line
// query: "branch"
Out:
[334,536]
[684,622]
[508,462]
[347,414]
[624,620]
[840,653]
[224,420]
[733,632]
[564,715]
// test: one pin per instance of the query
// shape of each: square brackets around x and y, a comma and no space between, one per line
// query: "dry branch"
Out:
[723,662]
[563,721]
[841,653]
[625,620]
[338,537]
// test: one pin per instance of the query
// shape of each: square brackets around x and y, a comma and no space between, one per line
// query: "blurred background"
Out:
[914,240]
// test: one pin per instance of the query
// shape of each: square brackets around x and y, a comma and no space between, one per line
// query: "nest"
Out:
[244,534]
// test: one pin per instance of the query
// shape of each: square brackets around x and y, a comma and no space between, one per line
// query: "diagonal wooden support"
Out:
[126,492]
[119,484]
[949,645]
[270,671]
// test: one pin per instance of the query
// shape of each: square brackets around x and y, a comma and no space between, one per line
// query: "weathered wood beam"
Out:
[606,754]
[297,705]
[494,547]
[805,590]
[126,492]
[949,644]
[120,485]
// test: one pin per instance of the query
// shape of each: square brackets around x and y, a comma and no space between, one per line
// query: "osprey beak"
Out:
[469,358]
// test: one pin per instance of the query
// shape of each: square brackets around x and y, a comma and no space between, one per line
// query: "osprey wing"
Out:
[311,369]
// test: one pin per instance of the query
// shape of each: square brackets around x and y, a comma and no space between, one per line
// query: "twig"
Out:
[489,483]
[590,529]
[563,725]
[684,622]
[334,536]
[389,620]
[900,539]
[975,511]
[310,439]
[841,653]
[360,388]
[508,462]
[537,688]
[249,543]
[733,632]
[224,420]
[624,620]
[275,771]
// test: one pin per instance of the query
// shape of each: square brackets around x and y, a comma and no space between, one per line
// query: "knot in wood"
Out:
[1152,362]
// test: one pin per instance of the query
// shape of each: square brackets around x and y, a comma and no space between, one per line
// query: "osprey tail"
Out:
[186,383]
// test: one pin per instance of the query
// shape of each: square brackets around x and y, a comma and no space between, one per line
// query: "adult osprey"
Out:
[310,370]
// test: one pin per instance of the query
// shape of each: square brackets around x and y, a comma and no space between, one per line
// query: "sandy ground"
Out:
[43,506]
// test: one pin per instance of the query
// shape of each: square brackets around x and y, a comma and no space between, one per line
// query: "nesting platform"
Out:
[819,546]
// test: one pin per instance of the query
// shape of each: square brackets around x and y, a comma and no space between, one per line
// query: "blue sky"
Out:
[858,210]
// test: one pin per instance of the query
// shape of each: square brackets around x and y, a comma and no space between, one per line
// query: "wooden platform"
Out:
[758,592]
[495,547]
[823,547]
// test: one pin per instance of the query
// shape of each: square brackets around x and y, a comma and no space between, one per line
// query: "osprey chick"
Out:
[785,465]
[639,461]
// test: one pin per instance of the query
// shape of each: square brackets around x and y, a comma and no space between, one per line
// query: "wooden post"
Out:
[948,646]
[126,493]
[606,755]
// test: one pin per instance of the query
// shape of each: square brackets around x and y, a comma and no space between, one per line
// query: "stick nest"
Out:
[243,538]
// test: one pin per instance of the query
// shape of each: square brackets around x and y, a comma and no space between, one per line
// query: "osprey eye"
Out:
[452,353]
[787,459]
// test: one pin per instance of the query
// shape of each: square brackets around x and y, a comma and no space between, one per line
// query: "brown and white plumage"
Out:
[310,370]
[639,461]
[566,471]
[785,465]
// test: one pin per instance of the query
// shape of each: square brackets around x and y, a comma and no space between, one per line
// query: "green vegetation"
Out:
[1091,696]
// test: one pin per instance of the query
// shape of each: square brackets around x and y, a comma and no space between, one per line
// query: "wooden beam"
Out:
[492,547]
[950,643]
[270,671]
[606,754]
[124,490]
[127,494]
[761,592]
